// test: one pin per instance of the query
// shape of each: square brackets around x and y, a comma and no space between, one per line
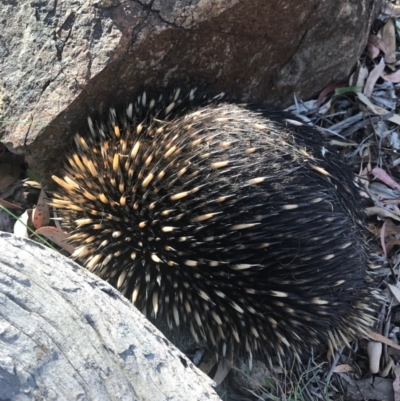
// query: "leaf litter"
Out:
[361,118]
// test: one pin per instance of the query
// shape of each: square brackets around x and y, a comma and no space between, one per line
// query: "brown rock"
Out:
[58,58]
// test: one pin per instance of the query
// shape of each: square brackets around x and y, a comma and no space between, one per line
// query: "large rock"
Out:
[57,58]
[67,335]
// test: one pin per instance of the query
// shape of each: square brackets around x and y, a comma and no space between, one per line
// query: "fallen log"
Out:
[67,335]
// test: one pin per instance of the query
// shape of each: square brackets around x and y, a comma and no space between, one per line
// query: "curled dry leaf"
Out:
[374,350]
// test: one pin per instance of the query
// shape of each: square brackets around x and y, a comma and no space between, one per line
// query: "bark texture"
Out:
[67,335]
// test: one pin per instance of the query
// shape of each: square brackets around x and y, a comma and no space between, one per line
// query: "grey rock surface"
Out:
[67,335]
[58,59]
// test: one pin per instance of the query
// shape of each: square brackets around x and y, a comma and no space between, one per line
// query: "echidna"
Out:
[237,220]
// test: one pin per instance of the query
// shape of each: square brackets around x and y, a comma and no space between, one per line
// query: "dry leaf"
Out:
[389,39]
[380,111]
[205,361]
[389,236]
[56,236]
[222,371]
[372,78]
[335,142]
[382,212]
[377,43]
[383,339]
[373,51]
[383,193]
[9,205]
[394,77]
[386,370]
[361,77]
[343,368]
[374,350]
[41,213]
[383,176]
[392,10]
